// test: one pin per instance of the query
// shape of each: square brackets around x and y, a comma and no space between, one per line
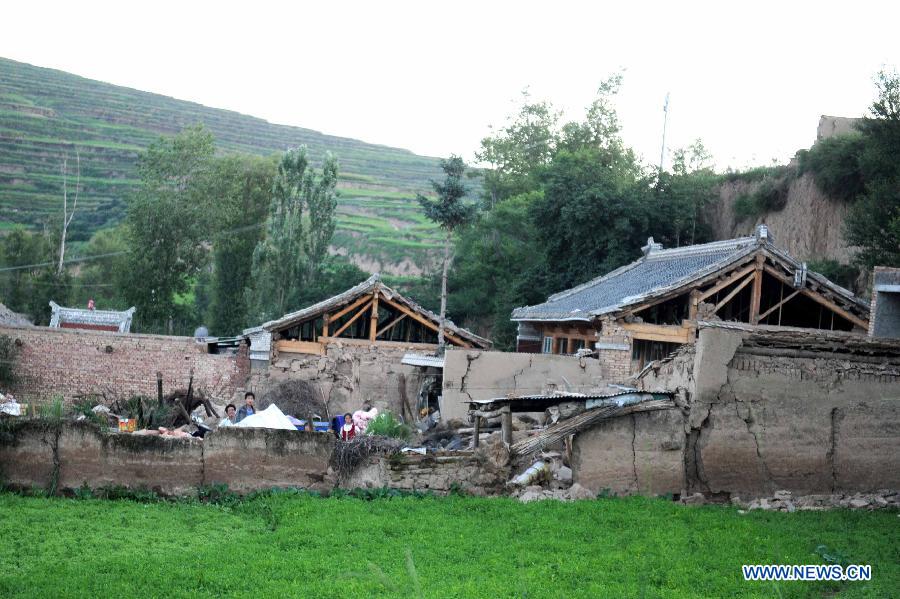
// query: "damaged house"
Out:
[350,348]
[645,310]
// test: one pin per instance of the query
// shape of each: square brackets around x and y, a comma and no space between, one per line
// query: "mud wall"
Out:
[347,376]
[754,419]
[473,374]
[71,363]
[467,471]
[244,459]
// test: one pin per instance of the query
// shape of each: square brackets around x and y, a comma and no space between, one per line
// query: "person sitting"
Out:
[229,419]
[348,431]
[248,408]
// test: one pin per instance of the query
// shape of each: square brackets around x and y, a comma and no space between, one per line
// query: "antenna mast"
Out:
[662,152]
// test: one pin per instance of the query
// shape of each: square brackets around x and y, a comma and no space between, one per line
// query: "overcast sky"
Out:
[750,79]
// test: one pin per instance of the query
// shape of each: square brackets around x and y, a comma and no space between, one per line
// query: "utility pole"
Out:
[662,151]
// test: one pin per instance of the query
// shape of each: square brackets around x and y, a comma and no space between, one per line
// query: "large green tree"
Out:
[291,255]
[874,220]
[451,213]
[242,186]
[167,223]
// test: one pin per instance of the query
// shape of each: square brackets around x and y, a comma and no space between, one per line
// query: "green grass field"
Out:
[294,545]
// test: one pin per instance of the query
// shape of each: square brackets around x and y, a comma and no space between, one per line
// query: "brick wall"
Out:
[71,362]
[614,351]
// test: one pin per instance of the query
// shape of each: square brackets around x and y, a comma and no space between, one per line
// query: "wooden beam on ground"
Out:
[506,425]
[734,292]
[778,305]
[353,318]
[390,325]
[725,283]
[427,323]
[863,324]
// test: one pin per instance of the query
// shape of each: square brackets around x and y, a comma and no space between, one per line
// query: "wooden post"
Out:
[325,321]
[373,323]
[506,424]
[756,294]
[477,433]
[693,303]
[159,397]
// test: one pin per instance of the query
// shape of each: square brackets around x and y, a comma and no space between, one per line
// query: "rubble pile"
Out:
[785,501]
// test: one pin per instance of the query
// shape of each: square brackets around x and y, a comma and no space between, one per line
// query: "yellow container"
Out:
[127,425]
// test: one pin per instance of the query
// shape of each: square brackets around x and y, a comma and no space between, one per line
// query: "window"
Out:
[575,345]
[561,343]
[548,345]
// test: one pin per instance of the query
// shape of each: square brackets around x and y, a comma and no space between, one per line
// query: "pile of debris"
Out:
[785,501]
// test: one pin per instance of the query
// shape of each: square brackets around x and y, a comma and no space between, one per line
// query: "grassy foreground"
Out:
[301,546]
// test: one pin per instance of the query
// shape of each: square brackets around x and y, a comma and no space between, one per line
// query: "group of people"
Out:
[351,425]
[234,415]
[356,423]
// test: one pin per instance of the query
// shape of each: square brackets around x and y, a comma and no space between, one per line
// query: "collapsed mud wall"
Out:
[71,363]
[35,453]
[348,375]
[755,416]
[473,374]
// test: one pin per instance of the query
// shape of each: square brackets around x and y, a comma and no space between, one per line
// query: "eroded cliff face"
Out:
[810,227]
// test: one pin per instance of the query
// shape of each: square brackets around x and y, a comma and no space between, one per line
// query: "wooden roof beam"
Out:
[820,300]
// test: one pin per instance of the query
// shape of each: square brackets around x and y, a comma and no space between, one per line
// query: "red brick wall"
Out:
[73,362]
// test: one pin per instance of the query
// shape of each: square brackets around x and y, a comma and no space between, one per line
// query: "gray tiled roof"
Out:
[657,272]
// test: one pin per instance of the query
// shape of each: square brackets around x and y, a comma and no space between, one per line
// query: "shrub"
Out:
[842,274]
[386,425]
[835,166]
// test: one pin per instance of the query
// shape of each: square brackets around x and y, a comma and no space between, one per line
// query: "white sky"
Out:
[751,80]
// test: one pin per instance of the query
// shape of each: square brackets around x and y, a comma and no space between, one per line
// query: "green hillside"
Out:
[44,113]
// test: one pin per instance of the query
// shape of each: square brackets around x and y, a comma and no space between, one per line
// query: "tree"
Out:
[242,186]
[103,277]
[66,215]
[284,262]
[167,224]
[873,223]
[517,151]
[450,212]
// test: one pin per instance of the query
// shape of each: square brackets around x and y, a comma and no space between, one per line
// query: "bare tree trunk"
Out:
[441,341]
[67,216]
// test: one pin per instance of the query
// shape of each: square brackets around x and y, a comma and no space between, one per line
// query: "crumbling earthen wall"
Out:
[474,374]
[466,471]
[71,363]
[752,420]
[348,375]
[244,459]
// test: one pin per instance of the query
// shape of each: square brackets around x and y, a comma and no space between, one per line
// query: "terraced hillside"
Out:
[46,113]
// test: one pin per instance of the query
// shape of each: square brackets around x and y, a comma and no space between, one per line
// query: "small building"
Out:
[92,320]
[370,313]
[645,310]
[885,320]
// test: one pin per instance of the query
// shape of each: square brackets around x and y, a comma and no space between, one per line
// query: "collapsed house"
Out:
[350,348]
[645,310]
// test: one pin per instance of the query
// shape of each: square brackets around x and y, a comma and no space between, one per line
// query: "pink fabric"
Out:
[361,419]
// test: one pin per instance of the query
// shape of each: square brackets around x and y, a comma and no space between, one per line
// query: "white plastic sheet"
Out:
[271,417]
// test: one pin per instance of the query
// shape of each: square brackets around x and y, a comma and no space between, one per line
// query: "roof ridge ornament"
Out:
[651,247]
[763,234]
